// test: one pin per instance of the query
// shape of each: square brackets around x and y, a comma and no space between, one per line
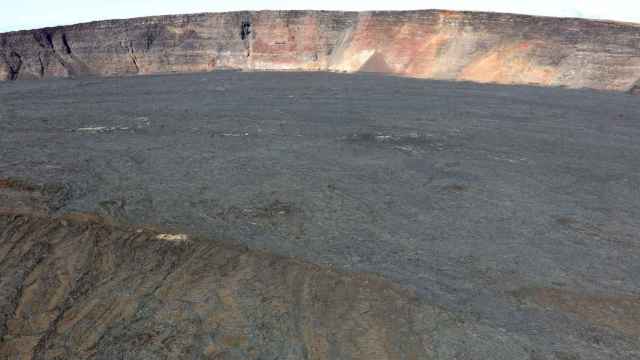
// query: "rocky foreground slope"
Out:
[482,47]
[78,287]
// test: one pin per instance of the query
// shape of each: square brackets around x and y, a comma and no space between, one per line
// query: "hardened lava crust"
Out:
[281,215]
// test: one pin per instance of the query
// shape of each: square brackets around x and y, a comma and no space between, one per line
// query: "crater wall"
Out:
[434,44]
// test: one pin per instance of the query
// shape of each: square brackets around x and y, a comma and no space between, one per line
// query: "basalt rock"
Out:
[481,47]
[79,287]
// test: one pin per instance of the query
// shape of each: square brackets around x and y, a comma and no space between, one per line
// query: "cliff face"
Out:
[482,47]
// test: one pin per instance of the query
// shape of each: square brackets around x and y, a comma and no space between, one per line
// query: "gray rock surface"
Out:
[514,208]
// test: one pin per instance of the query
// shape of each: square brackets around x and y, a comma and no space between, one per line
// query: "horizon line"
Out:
[92,21]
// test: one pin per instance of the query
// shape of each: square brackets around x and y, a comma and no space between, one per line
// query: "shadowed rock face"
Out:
[82,289]
[79,287]
[481,47]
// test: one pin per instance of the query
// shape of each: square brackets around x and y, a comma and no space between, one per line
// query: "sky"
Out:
[29,14]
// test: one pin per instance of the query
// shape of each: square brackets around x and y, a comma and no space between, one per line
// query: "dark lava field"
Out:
[510,206]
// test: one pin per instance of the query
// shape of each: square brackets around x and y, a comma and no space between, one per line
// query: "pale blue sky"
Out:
[28,14]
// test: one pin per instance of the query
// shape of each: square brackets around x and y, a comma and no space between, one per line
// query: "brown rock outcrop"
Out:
[482,47]
[81,289]
[78,287]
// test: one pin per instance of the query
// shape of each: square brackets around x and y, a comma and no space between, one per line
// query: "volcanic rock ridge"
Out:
[83,286]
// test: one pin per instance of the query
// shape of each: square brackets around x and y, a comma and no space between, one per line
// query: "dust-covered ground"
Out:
[517,207]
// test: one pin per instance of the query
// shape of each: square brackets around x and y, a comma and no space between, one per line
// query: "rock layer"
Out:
[481,47]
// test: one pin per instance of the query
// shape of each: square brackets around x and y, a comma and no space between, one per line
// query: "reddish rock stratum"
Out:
[434,44]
